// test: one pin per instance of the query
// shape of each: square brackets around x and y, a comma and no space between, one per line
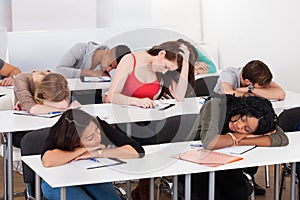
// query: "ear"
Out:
[162,53]
[247,82]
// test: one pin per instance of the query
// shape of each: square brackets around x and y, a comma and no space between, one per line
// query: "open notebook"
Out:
[207,158]
[96,79]
[94,163]
[48,115]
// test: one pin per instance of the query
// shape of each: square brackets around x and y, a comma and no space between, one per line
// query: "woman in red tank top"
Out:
[141,75]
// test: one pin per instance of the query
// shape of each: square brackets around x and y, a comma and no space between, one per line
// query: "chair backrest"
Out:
[205,85]
[32,144]
[177,128]
[289,119]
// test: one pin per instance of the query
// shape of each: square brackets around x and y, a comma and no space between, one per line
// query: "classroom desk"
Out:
[6,101]
[115,114]
[292,100]
[112,114]
[76,84]
[158,162]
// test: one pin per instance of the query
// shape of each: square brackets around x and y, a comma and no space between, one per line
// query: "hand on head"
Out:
[185,52]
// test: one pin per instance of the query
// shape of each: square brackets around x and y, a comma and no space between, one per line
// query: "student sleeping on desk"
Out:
[78,135]
[226,120]
[41,92]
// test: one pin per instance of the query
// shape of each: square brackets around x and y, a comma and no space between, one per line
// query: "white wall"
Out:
[32,15]
[5,14]
[258,29]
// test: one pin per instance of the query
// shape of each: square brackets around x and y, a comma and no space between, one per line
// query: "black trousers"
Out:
[17,137]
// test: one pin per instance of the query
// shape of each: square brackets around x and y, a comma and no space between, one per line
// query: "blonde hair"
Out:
[53,87]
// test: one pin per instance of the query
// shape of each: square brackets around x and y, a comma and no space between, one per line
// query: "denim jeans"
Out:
[100,191]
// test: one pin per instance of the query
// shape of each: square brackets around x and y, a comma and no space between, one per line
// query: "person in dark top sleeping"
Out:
[78,135]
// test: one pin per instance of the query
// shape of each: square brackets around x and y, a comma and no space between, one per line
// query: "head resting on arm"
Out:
[251,106]
[70,127]
[53,87]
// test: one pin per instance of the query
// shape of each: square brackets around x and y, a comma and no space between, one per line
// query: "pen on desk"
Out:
[93,159]
[55,112]
[196,145]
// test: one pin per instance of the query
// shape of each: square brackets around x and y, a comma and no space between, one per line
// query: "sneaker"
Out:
[258,190]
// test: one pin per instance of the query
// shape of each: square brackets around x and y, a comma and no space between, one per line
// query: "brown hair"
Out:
[257,72]
[69,128]
[53,87]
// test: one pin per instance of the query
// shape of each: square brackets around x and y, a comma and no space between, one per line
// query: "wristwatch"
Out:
[250,88]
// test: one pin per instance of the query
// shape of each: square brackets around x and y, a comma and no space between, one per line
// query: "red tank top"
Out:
[135,88]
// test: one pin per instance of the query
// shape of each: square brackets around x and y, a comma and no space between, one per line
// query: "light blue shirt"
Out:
[229,75]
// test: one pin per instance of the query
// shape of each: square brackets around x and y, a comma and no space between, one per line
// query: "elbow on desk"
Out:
[46,163]
[282,95]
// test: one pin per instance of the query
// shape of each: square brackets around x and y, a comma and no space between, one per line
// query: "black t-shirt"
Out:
[1,63]
[109,136]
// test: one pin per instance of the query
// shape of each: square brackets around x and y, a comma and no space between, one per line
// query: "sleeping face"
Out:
[243,124]
[91,136]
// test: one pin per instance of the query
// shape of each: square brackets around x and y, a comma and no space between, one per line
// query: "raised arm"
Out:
[178,90]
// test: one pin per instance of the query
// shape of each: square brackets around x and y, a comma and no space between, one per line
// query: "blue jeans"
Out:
[100,191]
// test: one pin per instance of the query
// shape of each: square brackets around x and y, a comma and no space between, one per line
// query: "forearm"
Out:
[181,87]
[123,152]
[270,93]
[85,72]
[220,141]
[262,141]
[58,157]
[68,72]
[15,72]
[118,98]
[43,109]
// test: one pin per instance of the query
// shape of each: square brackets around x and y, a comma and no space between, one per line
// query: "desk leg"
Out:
[276,181]
[151,188]
[175,187]
[10,167]
[211,189]
[128,129]
[293,182]
[37,187]
[4,168]
[63,193]
[187,187]
[128,189]
[128,183]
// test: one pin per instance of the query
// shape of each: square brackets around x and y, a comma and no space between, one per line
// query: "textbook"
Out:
[94,79]
[206,157]
[48,115]
[93,163]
